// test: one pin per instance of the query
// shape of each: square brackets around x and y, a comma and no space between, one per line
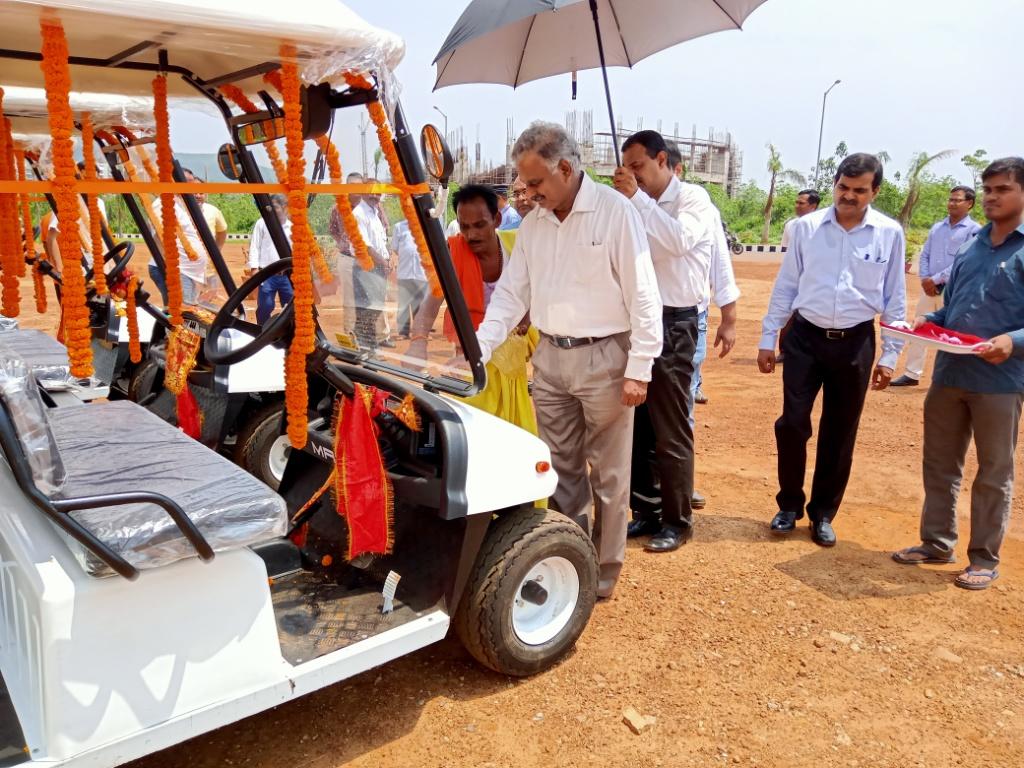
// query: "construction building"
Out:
[712,160]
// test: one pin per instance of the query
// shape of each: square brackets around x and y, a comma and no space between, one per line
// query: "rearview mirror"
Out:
[436,155]
[261,131]
[227,161]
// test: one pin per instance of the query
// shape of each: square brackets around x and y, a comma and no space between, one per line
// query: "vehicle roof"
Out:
[210,38]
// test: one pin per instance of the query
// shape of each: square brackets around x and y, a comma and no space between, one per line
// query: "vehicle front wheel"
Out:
[737,248]
[531,594]
[261,449]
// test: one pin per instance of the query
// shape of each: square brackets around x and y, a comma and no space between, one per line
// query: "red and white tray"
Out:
[937,337]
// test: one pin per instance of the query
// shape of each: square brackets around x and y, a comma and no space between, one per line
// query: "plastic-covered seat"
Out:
[121,447]
[45,356]
[8,324]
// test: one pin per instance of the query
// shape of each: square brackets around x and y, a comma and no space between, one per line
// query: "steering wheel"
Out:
[278,327]
[126,249]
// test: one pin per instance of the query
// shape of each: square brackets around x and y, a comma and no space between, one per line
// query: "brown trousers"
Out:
[580,415]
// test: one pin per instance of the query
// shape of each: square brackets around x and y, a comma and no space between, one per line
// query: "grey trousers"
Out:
[951,415]
[580,415]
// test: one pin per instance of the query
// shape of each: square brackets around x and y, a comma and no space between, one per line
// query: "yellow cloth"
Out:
[507,395]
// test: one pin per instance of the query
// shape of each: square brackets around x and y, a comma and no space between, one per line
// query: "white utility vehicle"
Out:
[151,590]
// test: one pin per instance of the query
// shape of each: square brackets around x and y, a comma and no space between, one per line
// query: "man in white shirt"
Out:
[679,230]
[263,253]
[193,273]
[582,267]
[807,201]
[844,267]
[370,286]
[412,280]
[944,243]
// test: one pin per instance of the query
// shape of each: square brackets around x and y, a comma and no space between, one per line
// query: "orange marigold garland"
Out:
[304,342]
[154,174]
[92,202]
[39,288]
[132,317]
[344,205]
[57,78]
[27,237]
[168,217]
[387,145]
[9,225]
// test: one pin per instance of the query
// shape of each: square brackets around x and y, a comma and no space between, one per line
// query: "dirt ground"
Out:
[747,650]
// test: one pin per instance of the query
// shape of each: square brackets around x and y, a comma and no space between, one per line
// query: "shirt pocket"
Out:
[867,275]
[1005,284]
[592,265]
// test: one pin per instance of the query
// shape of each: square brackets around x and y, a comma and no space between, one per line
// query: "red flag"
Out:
[364,492]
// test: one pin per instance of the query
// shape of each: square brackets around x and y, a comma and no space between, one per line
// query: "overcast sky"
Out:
[916,75]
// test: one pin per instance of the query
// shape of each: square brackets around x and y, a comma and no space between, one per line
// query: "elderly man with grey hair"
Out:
[582,268]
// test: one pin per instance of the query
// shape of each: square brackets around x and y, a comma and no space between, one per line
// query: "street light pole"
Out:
[442,114]
[821,132]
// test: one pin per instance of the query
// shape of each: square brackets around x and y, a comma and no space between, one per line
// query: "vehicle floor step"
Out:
[316,616]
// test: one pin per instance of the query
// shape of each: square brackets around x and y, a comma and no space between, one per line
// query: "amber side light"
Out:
[542,467]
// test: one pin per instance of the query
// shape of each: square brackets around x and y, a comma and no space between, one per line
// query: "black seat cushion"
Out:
[121,447]
[45,356]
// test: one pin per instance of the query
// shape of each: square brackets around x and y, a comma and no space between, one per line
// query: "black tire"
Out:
[515,543]
[736,248]
[146,378]
[255,440]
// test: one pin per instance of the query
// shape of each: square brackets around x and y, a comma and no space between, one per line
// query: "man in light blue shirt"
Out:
[844,266]
[510,219]
[945,240]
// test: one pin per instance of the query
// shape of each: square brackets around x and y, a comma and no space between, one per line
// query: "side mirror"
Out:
[227,161]
[436,155]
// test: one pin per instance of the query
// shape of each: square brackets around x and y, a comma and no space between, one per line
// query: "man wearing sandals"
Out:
[981,393]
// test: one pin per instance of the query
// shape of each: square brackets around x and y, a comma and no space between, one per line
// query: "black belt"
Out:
[571,342]
[678,312]
[834,334]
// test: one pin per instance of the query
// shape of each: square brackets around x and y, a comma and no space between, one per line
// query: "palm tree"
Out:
[776,170]
[378,155]
[917,166]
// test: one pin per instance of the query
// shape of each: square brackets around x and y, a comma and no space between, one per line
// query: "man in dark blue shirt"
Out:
[980,393]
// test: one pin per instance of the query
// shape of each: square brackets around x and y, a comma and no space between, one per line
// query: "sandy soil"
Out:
[746,650]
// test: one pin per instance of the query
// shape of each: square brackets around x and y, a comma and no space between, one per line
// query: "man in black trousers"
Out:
[843,267]
[681,235]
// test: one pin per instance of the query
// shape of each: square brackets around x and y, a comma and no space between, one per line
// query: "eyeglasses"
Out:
[958,200]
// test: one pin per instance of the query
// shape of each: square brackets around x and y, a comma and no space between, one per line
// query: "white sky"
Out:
[916,75]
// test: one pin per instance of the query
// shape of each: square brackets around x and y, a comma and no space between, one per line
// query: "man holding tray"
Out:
[980,393]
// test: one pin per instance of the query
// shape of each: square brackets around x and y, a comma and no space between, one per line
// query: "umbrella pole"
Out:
[607,89]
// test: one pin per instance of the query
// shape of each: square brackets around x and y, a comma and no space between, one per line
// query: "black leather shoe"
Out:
[668,539]
[904,381]
[822,533]
[643,526]
[697,500]
[784,522]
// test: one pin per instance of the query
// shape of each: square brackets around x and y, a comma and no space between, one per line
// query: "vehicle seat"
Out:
[104,448]
[46,356]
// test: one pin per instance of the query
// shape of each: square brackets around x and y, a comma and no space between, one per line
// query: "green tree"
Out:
[918,165]
[775,168]
[378,157]
[976,164]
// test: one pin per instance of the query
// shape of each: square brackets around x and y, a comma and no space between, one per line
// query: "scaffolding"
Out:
[715,159]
